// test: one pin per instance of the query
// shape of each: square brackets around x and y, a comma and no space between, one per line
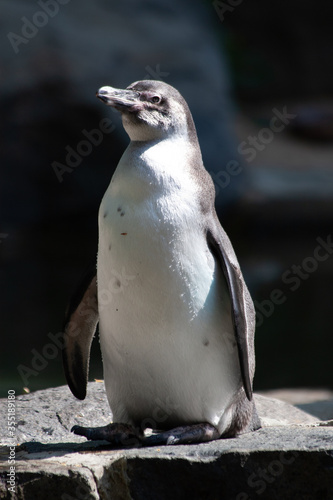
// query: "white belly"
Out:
[166,333]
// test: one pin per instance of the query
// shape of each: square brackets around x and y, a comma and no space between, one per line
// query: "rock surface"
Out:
[316,402]
[290,457]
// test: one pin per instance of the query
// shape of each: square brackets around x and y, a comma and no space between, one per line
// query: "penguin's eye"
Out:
[155,99]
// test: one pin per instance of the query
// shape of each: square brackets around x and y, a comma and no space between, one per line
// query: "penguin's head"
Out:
[150,110]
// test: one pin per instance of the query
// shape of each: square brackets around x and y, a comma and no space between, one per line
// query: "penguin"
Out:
[176,320]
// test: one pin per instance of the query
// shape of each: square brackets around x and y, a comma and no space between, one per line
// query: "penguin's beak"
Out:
[123,100]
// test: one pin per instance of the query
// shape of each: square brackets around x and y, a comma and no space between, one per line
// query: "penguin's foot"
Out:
[197,433]
[117,434]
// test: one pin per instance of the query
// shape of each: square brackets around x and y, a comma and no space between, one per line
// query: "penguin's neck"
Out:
[155,168]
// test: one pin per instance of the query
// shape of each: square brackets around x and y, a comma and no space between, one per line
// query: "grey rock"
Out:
[316,402]
[321,409]
[48,415]
[289,458]
[274,412]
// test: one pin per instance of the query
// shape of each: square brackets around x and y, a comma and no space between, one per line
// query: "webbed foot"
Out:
[197,433]
[116,434]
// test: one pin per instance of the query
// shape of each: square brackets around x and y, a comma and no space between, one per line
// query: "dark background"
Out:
[234,66]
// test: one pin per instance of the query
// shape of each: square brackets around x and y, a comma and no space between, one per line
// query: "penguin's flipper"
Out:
[80,326]
[221,248]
